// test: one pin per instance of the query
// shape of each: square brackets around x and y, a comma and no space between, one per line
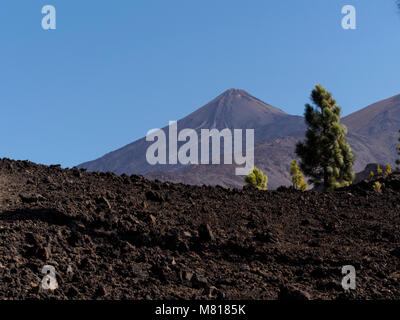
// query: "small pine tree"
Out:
[257,179]
[297,177]
[377,187]
[379,169]
[388,169]
[326,156]
[371,174]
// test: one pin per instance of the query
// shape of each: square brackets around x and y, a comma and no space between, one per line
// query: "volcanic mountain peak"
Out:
[236,94]
[233,91]
[243,99]
[235,108]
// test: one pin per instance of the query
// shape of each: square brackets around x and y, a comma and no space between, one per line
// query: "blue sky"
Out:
[112,70]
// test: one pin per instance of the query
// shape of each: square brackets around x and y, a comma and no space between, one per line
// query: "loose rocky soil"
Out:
[120,237]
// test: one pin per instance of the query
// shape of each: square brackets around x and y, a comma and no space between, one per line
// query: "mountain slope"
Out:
[372,134]
[371,120]
[272,157]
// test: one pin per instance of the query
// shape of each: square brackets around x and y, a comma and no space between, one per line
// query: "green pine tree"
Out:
[371,174]
[325,155]
[257,179]
[377,187]
[297,177]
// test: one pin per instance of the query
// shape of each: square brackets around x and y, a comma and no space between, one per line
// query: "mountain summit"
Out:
[236,109]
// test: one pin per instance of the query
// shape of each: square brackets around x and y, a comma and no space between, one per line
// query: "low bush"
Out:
[257,179]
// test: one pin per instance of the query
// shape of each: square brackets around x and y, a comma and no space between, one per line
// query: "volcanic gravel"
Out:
[121,237]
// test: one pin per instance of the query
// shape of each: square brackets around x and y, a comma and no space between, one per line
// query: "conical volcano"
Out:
[233,109]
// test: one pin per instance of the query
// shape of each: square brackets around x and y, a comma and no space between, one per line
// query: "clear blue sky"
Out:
[115,69]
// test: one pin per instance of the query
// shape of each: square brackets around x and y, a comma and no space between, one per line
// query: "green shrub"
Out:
[297,177]
[388,169]
[257,179]
[371,174]
[379,169]
[377,187]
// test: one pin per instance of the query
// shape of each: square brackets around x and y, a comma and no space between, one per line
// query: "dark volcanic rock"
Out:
[110,239]
[292,293]
[206,233]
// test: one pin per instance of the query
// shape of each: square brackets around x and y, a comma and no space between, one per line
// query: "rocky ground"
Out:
[120,237]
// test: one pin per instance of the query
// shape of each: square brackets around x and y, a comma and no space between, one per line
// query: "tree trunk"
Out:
[326,179]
